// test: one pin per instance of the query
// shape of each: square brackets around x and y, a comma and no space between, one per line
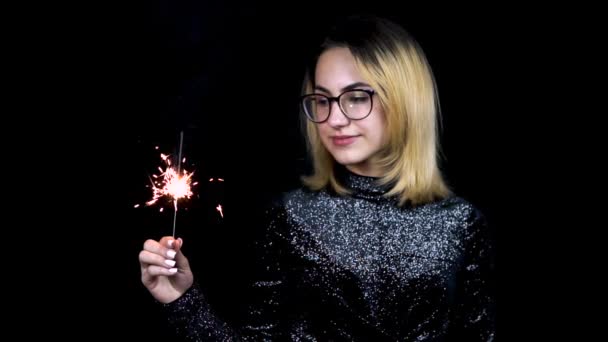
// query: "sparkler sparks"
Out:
[172,183]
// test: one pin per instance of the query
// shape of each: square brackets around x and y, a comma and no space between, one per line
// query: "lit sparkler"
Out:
[174,183]
[171,182]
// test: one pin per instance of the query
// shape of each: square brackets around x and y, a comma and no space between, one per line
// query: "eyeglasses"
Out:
[355,104]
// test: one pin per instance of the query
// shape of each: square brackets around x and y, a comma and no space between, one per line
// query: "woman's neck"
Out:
[365,169]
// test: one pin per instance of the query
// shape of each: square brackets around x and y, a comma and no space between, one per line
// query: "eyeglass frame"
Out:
[369,92]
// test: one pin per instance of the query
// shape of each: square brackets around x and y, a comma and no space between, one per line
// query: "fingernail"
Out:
[170,243]
[170,262]
[173,270]
[171,254]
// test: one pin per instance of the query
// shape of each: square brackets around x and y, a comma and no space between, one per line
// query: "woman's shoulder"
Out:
[281,201]
[471,220]
[299,195]
[457,203]
[461,209]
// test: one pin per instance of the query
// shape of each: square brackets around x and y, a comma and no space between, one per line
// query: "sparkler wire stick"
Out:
[179,162]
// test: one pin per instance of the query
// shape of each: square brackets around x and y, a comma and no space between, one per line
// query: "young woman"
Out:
[374,246]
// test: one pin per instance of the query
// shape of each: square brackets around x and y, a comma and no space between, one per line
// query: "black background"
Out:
[228,76]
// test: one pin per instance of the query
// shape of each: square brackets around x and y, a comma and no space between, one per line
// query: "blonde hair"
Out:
[395,66]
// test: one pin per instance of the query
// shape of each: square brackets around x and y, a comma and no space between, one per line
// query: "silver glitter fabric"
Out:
[357,268]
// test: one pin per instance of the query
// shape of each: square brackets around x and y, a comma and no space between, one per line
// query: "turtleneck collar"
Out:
[361,186]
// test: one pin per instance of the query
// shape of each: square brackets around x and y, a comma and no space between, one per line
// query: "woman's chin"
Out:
[347,160]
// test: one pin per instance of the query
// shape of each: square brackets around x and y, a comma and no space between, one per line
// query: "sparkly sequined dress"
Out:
[360,268]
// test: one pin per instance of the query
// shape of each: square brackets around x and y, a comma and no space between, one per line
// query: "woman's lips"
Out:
[344,140]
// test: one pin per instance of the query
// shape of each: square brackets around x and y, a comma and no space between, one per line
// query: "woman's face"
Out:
[353,143]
